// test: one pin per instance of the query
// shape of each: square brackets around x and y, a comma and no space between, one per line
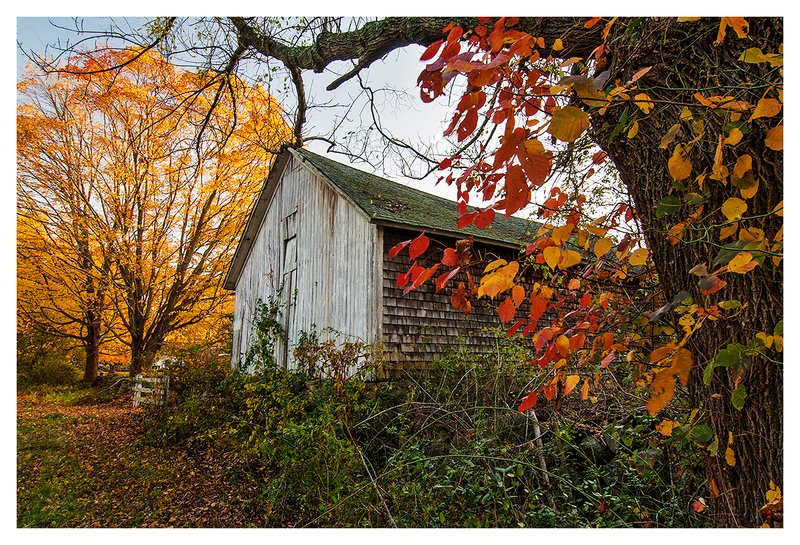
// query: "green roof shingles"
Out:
[390,202]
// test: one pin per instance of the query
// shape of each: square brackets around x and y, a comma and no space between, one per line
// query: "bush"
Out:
[446,448]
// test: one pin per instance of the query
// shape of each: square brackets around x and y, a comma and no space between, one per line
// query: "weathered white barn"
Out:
[318,239]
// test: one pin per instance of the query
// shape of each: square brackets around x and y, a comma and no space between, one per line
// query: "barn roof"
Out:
[383,201]
[392,203]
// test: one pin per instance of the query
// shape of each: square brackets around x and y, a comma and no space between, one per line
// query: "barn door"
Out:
[289,284]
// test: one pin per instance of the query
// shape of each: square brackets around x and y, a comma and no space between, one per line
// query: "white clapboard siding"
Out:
[335,248]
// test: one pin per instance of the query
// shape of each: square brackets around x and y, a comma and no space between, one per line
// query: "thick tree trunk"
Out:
[684,61]
[91,344]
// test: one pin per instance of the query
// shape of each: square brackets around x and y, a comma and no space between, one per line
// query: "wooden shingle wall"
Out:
[423,326]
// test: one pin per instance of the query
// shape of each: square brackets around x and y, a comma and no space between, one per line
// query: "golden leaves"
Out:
[568,123]
[742,263]
[680,167]
[500,280]
[602,246]
[663,386]
[766,107]
[733,208]
[639,257]
[643,102]
[774,139]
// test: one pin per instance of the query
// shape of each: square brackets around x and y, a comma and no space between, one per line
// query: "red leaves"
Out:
[484,219]
[421,278]
[528,402]
[418,246]
[431,51]
[507,310]
[449,258]
[518,194]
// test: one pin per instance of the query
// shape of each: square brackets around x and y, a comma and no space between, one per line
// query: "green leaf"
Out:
[738,396]
[778,329]
[701,433]
[731,356]
[729,305]
[713,448]
[708,373]
[668,205]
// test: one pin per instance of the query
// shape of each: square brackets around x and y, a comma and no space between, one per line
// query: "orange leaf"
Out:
[518,194]
[766,107]
[562,345]
[421,279]
[499,280]
[585,390]
[662,391]
[518,295]
[682,365]
[507,310]
[449,258]
[570,383]
[397,248]
[774,140]
[574,284]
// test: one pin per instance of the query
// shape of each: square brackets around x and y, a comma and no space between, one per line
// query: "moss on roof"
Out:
[387,201]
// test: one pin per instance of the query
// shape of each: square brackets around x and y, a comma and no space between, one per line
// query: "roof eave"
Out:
[257,214]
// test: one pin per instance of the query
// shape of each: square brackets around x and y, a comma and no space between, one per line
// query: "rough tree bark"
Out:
[685,59]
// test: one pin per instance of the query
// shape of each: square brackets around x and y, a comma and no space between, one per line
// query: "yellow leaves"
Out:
[734,137]
[774,139]
[643,102]
[561,234]
[602,246]
[552,254]
[562,345]
[743,165]
[498,281]
[754,55]
[665,427]
[558,45]
[569,258]
[749,192]
[570,383]
[738,24]
[766,339]
[663,386]
[766,107]
[730,457]
[639,257]
[679,165]
[774,493]
[634,130]
[733,208]
[568,123]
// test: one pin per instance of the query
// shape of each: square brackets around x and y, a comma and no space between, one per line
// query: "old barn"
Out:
[317,240]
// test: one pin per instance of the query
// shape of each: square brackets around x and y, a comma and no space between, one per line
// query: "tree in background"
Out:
[137,189]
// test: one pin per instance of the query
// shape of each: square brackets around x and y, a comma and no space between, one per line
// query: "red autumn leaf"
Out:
[402,279]
[421,279]
[538,306]
[518,194]
[506,310]
[431,50]
[466,219]
[513,329]
[449,258]
[468,125]
[484,219]
[529,401]
[444,278]
[418,246]
[550,392]
[711,284]
[607,360]
[397,248]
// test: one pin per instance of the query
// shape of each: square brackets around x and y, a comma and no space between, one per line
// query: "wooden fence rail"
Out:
[152,390]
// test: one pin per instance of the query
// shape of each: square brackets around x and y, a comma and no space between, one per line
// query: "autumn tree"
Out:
[688,111]
[165,201]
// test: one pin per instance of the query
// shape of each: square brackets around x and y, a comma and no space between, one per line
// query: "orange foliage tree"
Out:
[137,189]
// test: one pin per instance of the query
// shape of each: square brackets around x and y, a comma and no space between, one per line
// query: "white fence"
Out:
[152,390]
